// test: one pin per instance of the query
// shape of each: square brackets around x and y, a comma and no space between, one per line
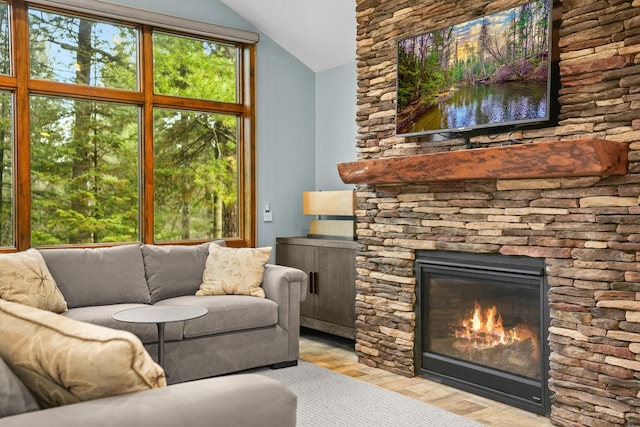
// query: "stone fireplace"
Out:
[584,225]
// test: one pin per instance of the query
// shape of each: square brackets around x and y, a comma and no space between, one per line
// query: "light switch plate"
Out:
[267,215]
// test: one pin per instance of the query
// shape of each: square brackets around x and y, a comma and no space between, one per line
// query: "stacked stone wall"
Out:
[587,228]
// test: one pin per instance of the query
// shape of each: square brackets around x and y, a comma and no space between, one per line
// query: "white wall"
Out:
[336,129]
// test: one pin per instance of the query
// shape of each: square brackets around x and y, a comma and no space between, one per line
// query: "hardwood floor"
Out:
[337,354]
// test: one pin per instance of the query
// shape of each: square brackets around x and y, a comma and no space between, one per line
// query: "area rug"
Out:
[327,398]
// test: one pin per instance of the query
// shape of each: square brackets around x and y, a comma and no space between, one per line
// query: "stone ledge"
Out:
[549,159]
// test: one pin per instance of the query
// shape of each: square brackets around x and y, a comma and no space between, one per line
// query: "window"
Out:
[71,49]
[84,171]
[120,130]
[194,68]
[6,171]
[195,158]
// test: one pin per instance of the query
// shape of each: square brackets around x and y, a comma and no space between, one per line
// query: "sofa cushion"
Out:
[99,276]
[226,313]
[103,315]
[15,398]
[25,278]
[64,361]
[174,270]
[234,271]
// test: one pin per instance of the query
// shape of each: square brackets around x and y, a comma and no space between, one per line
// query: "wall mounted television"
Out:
[493,72]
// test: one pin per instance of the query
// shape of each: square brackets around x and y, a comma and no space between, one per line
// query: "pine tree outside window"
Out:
[132,133]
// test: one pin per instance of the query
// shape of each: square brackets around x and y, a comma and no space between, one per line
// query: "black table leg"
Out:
[161,344]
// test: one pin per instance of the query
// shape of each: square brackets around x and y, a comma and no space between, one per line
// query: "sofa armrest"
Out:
[287,286]
[234,400]
[279,278]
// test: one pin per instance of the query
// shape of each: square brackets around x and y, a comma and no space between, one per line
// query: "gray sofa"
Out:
[238,333]
[221,401]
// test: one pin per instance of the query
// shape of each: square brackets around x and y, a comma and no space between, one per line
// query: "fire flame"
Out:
[484,329]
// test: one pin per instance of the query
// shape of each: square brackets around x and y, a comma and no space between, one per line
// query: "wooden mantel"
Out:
[550,159]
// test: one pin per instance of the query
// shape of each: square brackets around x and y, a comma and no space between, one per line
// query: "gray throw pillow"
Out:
[174,270]
[15,397]
[99,276]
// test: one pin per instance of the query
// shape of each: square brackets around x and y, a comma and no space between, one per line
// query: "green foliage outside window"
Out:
[192,68]
[6,136]
[84,172]
[6,170]
[70,49]
[195,153]
[86,168]
[5,40]
[195,175]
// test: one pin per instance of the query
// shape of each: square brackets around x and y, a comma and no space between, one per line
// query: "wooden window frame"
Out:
[23,86]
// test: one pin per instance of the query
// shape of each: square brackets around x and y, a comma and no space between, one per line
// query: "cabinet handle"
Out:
[313,282]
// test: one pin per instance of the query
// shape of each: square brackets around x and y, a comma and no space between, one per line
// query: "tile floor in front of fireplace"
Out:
[338,355]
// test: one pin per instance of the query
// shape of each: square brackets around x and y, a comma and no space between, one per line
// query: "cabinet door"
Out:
[335,290]
[303,258]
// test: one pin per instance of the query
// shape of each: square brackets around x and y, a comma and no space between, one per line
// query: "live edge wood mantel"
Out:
[549,159]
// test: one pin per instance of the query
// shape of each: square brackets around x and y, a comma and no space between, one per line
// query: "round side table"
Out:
[160,315]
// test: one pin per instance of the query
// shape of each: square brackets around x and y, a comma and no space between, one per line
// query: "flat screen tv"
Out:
[490,72]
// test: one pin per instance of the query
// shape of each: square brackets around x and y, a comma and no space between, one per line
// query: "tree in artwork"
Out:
[506,47]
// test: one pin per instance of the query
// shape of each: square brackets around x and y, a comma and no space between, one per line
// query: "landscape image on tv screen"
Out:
[491,71]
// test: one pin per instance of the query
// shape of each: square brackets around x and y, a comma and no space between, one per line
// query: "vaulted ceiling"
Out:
[320,33]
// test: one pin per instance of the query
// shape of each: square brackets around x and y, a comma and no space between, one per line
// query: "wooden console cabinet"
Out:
[330,264]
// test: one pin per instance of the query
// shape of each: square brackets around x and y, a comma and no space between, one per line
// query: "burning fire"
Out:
[484,329]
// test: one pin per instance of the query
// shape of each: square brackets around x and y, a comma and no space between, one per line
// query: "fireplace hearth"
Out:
[482,322]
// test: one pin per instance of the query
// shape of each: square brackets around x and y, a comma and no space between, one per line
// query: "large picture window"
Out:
[117,130]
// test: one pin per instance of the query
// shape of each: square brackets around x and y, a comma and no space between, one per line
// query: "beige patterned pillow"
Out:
[234,271]
[25,278]
[63,361]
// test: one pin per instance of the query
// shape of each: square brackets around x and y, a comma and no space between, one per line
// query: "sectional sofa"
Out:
[244,400]
[239,331]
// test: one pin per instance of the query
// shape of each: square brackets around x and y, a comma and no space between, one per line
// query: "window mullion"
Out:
[197,104]
[146,85]
[22,165]
[43,87]
[247,186]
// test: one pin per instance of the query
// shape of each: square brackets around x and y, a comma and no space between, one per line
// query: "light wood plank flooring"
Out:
[338,355]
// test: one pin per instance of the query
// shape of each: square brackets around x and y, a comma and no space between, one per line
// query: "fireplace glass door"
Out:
[481,323]
[489,320]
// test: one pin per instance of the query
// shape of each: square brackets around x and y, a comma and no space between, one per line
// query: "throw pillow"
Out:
[63,361]
[234,271]
[174,270]
[25,278]
[15,398]
[99,276]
